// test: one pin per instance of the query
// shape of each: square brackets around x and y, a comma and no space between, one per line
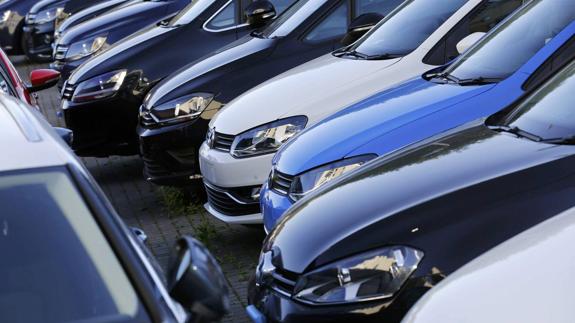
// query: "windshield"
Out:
[407,27]
[57,266]
[291,18]
[548,113]
[190,12]
[511,44]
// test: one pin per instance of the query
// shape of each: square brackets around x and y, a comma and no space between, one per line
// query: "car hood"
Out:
[135,14]
[427,188]
[319,88]
[91,12]
[185,80]
[123,54]
[45,4]
[339,135]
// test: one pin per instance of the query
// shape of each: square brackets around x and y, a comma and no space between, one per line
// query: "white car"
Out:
[527,279]
[418,36]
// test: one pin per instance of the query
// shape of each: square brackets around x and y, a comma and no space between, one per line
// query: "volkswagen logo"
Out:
[265,269]
[210,136]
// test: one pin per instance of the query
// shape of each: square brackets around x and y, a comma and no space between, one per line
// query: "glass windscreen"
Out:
[291,18]
[190,12]
[511,44]
[406,28]
[56,265]
[549,112]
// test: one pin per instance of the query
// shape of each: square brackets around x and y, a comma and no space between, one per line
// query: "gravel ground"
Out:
[164,213]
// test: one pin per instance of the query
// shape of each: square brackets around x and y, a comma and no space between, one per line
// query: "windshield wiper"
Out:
[443,76]
[257,34]
[479,81]
[383,56]
[560,140]
[516,131]
[352,53]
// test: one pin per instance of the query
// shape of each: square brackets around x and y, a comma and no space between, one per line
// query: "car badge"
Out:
[265,269]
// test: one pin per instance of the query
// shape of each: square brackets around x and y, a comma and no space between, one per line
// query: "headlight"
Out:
[85,47]
[6,15]
[311,180]
[48,15]
[181,109]
[373,275]
[99,87]
[267,138]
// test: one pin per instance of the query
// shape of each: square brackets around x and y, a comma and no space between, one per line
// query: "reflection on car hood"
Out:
[413,196]
[339,135]
[316,89]
[184,80]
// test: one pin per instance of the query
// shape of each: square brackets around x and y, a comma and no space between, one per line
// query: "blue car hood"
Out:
[346,132]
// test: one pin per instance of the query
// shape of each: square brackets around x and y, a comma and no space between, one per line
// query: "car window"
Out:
[281,5]
[190,12]
[509,46]
[383,7]
[225,18]
[560,58]
[483,19]
[291,18]
[55,259]
[548,112]
[406,28]
[332,26]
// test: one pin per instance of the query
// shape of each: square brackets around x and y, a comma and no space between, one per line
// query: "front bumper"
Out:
[273,206]
[170,153]
[102,128]
[38,39]
[229,176]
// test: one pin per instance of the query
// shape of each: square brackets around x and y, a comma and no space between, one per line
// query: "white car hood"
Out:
[315,89]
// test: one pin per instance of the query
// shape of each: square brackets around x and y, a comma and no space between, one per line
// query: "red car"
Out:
[12,84]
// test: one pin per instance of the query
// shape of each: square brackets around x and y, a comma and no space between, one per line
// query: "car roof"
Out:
[27,140]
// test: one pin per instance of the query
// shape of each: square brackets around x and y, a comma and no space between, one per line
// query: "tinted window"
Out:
[483,19]
[509,46]
[225,18]
[281,5]
[291,18]
[383,7]
[550,111]
[403,31]
[57,266]
[333,26]
[190,12]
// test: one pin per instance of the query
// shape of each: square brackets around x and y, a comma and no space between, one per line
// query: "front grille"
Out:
[30,18]
[60,52]
[228,201]
[146,117]
[223,142]
[284,282]
[280,182]
[68,91]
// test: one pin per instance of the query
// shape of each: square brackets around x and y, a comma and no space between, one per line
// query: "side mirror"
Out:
[66,134]
[42,79]
[196,280]
[359,26]
[468,41]
[259,12]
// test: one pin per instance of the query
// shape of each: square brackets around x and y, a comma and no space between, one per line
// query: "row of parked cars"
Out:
[384,144]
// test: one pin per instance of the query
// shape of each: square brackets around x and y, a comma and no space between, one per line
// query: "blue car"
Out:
[515,57]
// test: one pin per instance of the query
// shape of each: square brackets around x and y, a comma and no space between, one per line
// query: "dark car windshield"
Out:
[511,44]
[291,18]
[190,12]
[57,266]
[548,113]
[407,27]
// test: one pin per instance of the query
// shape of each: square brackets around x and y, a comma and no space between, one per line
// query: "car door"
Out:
[330,29]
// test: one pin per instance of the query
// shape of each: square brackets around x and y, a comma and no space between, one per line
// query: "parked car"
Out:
[13,13]
[505,64]
[492,287]
[420,36]
[396,227]
[54,218]
[169,141]
[11,83]
[41,21]
[87,14]
[84,41]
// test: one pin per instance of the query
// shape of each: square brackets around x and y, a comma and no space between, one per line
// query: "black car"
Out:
[87,14]
[170,137]
[41,22]
[392,230]
[68,257]
[84,41]
[13,13]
